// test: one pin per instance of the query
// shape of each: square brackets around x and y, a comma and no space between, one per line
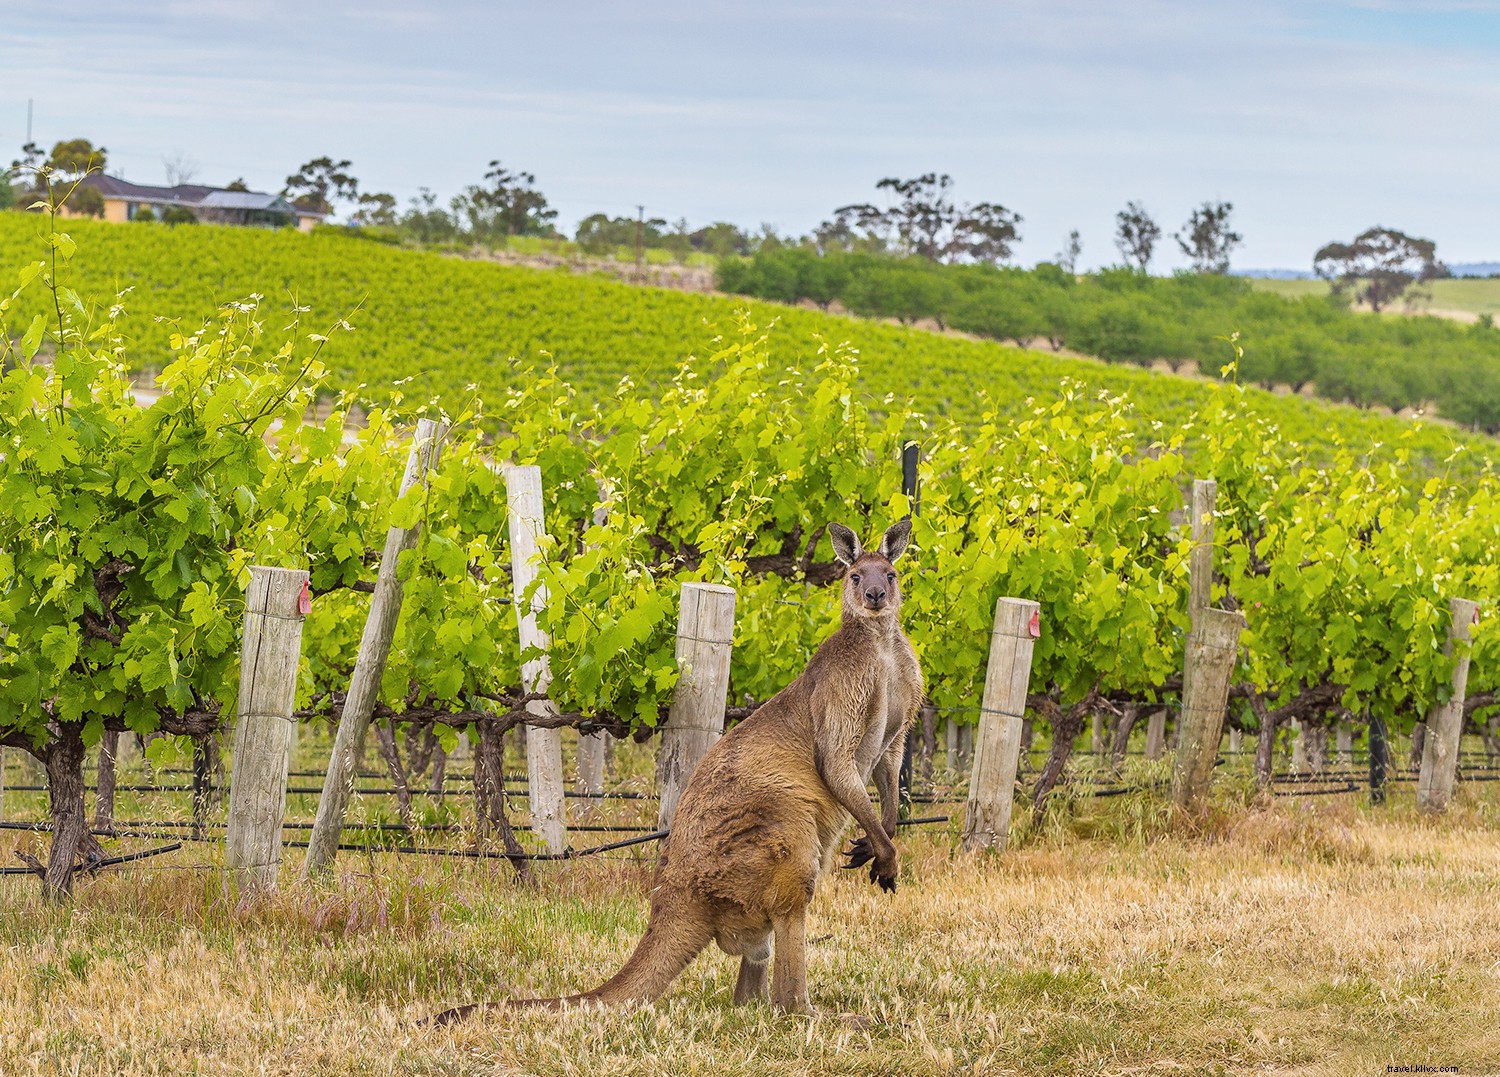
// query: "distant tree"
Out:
[175,215]
[721,238]
[858,227]
[30,160]
[1207,239]
[378,208]
[512,203]
[144,215]
[238,185]
[180,169]
[81,200]
[1136,235]
[600,233]
[75,158]
[319,182]
[1378,266]
[923,220]
[983,233]
[7,192]
[924,213]
[427,222]
[1067,258]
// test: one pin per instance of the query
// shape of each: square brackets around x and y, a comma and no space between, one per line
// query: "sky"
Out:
[1315,119]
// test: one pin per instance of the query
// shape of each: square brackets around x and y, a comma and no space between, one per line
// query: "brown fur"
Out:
[766,808]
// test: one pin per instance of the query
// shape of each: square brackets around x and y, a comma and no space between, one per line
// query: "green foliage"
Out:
[1127,317]
[128,531]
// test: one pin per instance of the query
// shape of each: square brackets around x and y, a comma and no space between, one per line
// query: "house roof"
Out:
[194,194]
[114,187]
[245,200]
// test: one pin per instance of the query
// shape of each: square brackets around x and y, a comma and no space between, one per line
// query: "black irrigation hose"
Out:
[416,828]
[107,862]
[307,790]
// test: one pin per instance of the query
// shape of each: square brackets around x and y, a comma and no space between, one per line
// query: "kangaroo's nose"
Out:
[875,597]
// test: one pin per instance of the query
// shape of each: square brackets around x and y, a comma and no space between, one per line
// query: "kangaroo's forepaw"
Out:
[860,853]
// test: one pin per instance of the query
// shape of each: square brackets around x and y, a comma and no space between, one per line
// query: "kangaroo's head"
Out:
[871,586]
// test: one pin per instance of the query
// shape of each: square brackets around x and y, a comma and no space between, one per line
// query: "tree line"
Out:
[1123,315]
[921,219]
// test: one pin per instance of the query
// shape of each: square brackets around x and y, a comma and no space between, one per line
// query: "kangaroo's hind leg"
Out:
[789,982]
[751,986]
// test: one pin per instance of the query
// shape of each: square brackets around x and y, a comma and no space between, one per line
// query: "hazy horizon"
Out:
[1316,120]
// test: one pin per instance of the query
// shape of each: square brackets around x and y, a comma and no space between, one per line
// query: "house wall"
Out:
[116,210]
[306,224]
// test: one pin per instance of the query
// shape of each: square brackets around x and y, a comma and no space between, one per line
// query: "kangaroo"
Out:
[765,810]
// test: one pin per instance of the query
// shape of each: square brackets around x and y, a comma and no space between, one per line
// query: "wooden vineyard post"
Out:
[1208,666]
[1298,738]
[591,745]
[1344,740]
[1156,734]
[369,667]
[275,605]
[705,636]
[997,751]
[544,769]
[1380,759]
[1208,660]
[1445,722]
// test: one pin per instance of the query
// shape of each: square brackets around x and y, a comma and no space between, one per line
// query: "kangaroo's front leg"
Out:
[840,773]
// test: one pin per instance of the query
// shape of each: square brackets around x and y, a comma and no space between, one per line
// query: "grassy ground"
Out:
[1473,295]
[1311,936]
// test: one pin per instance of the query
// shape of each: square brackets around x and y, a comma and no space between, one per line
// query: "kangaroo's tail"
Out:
[670,943]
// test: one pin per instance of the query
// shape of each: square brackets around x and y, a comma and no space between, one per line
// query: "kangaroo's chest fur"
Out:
[894,692]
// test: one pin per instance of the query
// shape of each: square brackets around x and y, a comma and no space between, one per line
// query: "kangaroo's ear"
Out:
[893,544]
[846,545]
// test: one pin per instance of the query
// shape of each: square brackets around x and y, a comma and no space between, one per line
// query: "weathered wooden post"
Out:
[1445,722]
[104,782]
[1096,735]
[1380,758]
[275,605]
[1299,746]
[928,725]
[1344,741]
[369,667]
[1208,660]
[2,785]
[705,635]
[1156,734]
[997,753]
[544,769]
[1207,667]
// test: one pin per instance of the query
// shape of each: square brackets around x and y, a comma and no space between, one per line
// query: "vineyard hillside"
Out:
[443,324]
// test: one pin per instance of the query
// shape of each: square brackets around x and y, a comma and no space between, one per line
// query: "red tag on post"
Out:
[1035,627]
[304,600]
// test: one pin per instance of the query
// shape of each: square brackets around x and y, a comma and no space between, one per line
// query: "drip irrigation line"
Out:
[107,862]
[416,828]
[309,790]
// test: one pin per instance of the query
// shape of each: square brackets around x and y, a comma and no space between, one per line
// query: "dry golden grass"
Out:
[1311,937]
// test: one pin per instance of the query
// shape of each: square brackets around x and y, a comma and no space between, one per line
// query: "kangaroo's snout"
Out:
[875,597]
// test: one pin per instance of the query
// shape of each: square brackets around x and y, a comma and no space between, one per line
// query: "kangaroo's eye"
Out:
[891,576]
[855,578]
